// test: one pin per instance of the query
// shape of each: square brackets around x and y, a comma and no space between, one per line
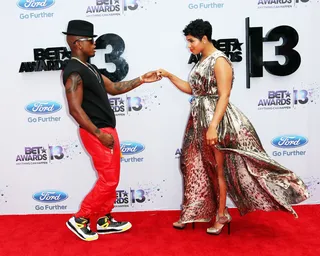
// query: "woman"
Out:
[221,149]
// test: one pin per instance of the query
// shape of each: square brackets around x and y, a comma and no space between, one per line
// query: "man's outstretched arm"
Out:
[126,86]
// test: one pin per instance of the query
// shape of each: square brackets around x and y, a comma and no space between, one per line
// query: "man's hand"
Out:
[150,77]
[106,139]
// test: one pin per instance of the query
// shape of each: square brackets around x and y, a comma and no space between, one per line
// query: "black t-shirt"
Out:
[95,99]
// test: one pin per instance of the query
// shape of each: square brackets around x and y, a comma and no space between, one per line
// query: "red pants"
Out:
[107,163]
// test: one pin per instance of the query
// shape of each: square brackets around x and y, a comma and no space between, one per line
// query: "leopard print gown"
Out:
[254,180]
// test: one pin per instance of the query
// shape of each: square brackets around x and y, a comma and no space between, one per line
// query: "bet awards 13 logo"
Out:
[56,58]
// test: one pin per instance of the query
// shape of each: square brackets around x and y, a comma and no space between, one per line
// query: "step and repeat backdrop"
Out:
[44,168]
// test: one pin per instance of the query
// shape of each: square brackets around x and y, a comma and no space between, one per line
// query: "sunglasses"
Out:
[84,39]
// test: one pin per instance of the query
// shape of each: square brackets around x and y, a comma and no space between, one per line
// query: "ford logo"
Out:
[35,4]
[289,141]
[43,107]
[50,196]
[131,148]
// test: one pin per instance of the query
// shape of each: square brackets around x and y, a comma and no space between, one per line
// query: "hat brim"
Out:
[73,34]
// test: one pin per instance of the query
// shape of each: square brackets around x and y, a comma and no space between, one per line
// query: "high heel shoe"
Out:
[179,225]
[225,219]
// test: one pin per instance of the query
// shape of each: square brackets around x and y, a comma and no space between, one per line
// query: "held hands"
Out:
[150,77]
[212,136]
[162,73]
[106,139]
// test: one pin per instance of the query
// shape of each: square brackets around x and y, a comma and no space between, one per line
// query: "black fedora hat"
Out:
[80,28]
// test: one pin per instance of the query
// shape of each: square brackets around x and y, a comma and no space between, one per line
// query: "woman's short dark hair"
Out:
[198,29]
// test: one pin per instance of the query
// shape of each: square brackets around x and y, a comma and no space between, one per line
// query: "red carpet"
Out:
[258,233]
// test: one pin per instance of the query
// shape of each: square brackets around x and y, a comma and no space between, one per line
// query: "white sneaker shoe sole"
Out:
[82,236]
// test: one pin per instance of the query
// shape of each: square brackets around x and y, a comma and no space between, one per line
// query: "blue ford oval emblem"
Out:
[35,4]
[131,148]
[289,141]
[43,107]
[50,196]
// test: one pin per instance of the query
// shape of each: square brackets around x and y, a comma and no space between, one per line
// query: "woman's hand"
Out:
[163,73]
[212,136]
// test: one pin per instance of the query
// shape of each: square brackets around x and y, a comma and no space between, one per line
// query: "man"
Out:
[86,91]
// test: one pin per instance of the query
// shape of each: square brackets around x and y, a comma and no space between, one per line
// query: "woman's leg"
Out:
[219,156]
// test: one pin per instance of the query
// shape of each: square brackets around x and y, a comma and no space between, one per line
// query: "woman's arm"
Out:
[223,74]
[179,83]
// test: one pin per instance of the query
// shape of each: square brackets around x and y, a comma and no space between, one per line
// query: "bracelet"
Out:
[141,80]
